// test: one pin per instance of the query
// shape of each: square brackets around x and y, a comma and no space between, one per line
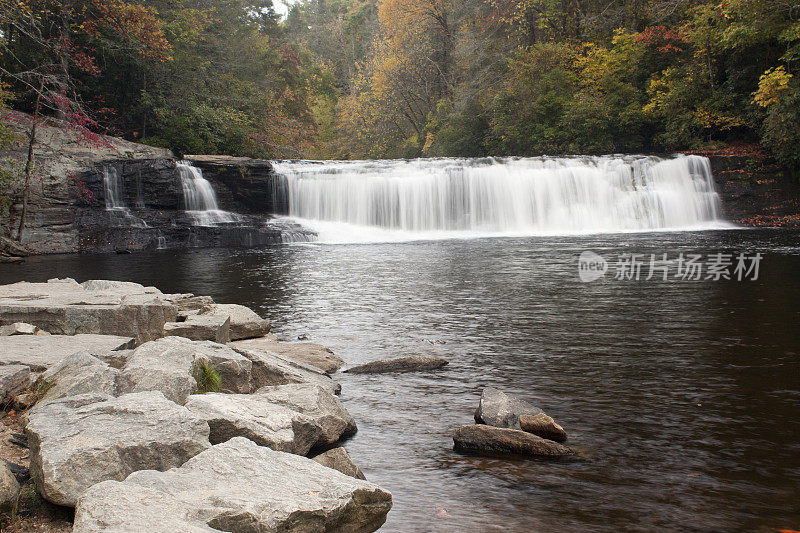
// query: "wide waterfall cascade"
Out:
[199,197]
[426,198]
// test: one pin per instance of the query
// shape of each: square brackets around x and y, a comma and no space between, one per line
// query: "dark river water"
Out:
[683,397]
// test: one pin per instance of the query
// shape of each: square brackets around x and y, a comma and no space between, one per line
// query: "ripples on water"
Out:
[684,398]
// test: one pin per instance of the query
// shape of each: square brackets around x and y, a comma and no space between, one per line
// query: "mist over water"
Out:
[378,201]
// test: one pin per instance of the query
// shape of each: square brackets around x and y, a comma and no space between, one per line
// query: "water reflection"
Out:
[684,397]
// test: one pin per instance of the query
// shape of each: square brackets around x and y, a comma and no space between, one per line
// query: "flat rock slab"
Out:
[270,368]
[309,353]
[13,379]
[316,402]
[171,364]
[79,373]
[65,307]
[235,486]
[501,410]
[42,352]
[485,439]
[245,323]
[256,418]
[201,328]
[82,440]
[20,328]
[414,363]
[339,459]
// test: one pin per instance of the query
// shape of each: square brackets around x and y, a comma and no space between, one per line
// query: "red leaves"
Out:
[662,39]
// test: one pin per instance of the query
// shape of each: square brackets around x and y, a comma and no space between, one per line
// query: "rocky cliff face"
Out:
[69,198]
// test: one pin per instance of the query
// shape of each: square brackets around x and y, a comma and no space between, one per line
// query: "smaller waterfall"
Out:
[199,197]
[113,188]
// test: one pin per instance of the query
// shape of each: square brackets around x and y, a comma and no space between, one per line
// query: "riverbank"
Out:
[111,378]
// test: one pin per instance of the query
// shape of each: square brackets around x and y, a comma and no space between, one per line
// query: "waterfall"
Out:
[112,188]
[199,197]
[511,196]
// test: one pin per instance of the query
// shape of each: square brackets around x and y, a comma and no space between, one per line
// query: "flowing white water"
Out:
[112,188]
[441,198]
[199,197]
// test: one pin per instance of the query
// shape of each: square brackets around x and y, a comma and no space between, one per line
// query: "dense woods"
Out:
[407,78]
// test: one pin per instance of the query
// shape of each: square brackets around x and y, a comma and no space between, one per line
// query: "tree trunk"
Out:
[29,164]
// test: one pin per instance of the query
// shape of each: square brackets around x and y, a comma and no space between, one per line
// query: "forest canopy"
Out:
[409,78]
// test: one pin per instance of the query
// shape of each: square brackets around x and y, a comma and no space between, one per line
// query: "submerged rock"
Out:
[40,353]
[339,459]
[501,410]
[481,438]
[235,486]
[256,418]
[309,353]
[413,363]
[78,441]
[543,426]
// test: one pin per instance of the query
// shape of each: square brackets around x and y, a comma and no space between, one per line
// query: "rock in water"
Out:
[412,363]
[481,438]
[501,410]
[312,400]
[78,441]
[256,418]
[339,459]
[309,353]
[245,323]
[235,486]
[543,426]
[9,489]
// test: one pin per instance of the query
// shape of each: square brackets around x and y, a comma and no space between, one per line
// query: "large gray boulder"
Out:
[256,418]
[201,328]
[312,400]
[235,486]
[65,307]
[79,441]
[79,373]
[483,439]
[413,363]
[172,365]
[245,323]
[13,379]
[339,459]
[309,353]
[270,368]
[40,353]
[9,489]
[501,410]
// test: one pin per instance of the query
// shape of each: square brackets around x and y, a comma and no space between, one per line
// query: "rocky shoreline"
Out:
[138,428]
[125,408]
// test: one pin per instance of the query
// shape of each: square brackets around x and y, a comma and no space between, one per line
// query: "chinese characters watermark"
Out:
[682,266]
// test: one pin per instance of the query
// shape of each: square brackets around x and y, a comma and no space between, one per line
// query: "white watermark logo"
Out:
[684,267]
[591,266]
